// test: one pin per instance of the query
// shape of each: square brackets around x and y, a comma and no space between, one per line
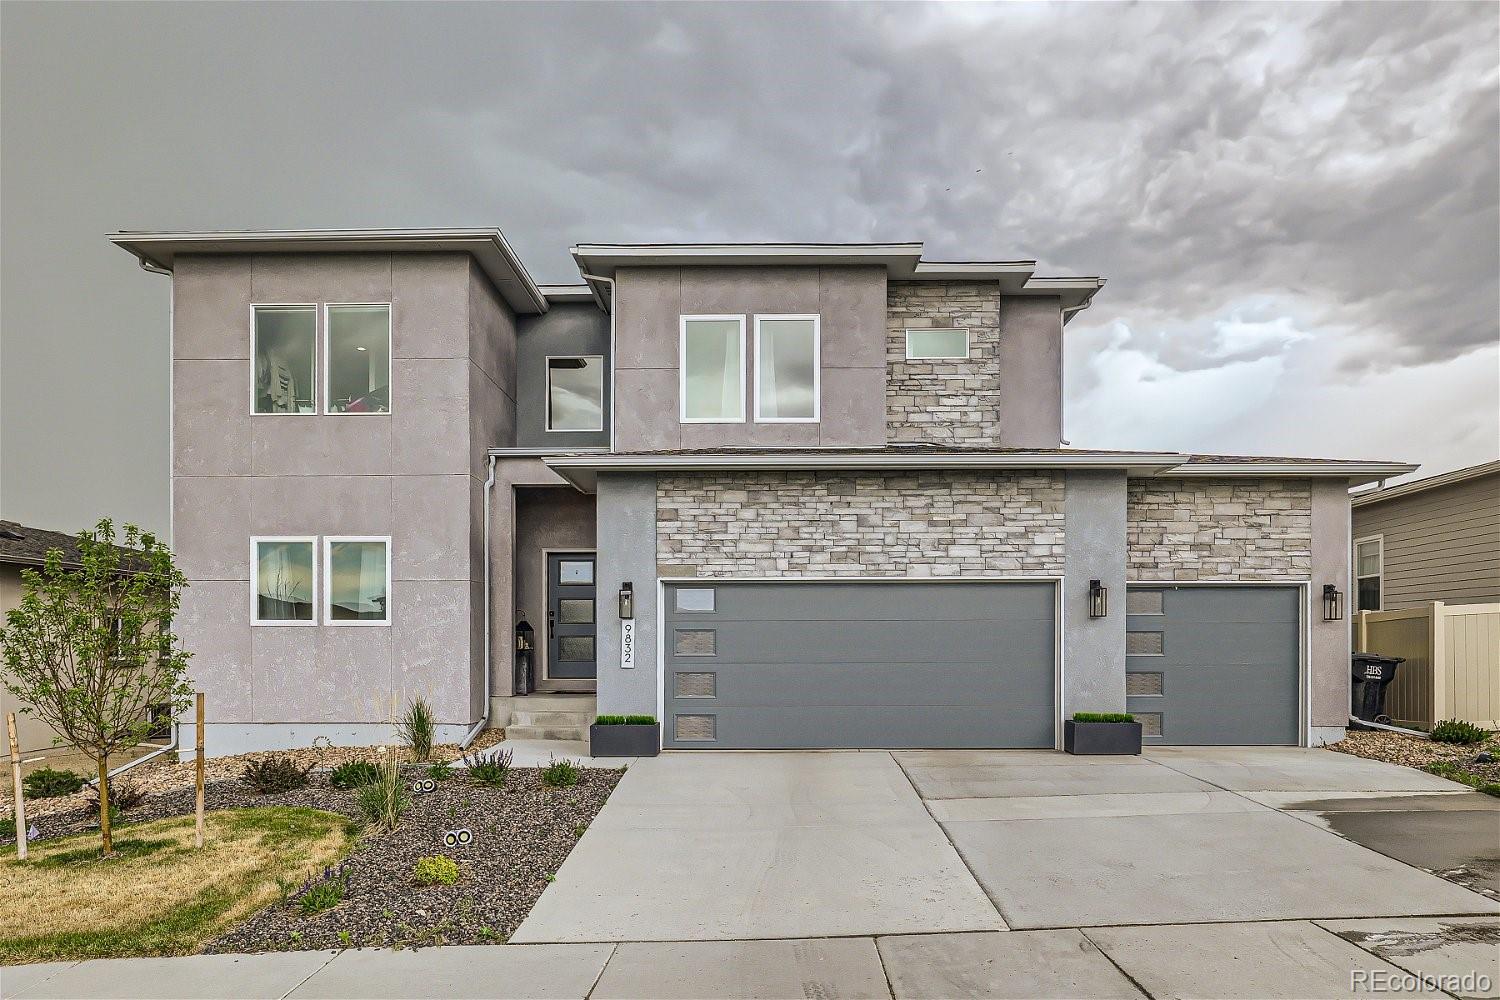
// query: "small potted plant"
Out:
[625,736]
[1102,733]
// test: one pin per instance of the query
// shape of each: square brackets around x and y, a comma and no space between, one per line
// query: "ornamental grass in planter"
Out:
[625,736]
[1102,733]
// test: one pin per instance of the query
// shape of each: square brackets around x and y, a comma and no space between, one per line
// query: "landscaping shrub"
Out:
[383,800]
[123,794]
[353,774]
[441,771]
[437,869]
[489,768]
[48,782]
[1103,717]
[417,729]
[1458,731]
[561,774]
[625,720]
[275,774]
[1455,772]
[8,828]
[323,896]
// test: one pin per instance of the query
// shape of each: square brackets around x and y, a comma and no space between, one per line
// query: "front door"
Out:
[571,617]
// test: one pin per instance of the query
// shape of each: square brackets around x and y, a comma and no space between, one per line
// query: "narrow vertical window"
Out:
[575,394]
[786,369]
[357,363]
[1368,559]
[282,345]
[283,581]
[358,571]
[712,353]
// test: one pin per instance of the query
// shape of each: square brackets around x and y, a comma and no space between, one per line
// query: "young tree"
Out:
[90,649]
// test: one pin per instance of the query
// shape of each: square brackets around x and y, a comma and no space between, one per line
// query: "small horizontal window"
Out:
[1143,644]
[695,599]
[937,345]
[283,581]
[695,642]
[575,394]
[1143,602]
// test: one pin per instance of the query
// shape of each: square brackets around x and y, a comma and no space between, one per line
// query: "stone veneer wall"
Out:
[1219,529]
[943,402]
[872,524]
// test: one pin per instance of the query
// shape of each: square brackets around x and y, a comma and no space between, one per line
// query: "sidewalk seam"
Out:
[1111,960]
[303,981]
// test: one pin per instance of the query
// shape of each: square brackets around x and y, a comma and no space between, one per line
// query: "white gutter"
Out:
[1311,469]
[489,486]
[893,459]
[612,308]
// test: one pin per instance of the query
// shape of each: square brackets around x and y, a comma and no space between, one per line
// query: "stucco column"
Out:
[1094,549]
[626,539]
[1328,642]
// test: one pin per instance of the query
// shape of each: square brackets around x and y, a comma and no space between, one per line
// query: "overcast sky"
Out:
[1296,207]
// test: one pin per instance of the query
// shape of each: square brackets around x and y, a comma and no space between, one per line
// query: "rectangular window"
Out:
[357,359]
[283,339]
[695,642]
[786,369]
[711,355]
[1143,644]
[937,345]
[695,599]
[575,394]
[283,581]
[358,580]
[1369,566]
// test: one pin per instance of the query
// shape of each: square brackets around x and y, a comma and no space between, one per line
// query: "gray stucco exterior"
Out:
[1094,648]
[626,511]
[564,330]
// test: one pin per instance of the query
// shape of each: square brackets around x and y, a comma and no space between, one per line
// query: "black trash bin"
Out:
[1371,674]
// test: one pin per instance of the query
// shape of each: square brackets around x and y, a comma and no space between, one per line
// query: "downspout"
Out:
[141,760]
[489,485]
[1068,313]
[611,283]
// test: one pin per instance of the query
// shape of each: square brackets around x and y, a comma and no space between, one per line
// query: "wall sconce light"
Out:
[627,601]
[1333,603]
[1098,599]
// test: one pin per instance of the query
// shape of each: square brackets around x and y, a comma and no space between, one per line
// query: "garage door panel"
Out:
[878,664]
[1226,642]
[1214,603]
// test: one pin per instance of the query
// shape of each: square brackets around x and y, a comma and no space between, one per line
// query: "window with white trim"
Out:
[945,344]
[1369,566]
[357,574]
[711,352]
[575,394]
[786,369]
[285,368]
[357,358]
[283,580]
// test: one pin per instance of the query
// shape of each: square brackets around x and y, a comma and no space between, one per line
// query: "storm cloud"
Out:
[1295,206]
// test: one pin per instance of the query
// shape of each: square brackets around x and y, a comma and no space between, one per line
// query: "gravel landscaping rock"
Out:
[1409,751]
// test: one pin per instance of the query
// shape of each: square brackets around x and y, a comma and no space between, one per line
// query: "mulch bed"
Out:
[1393,748]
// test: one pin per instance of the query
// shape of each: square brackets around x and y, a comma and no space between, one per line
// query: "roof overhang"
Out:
[487,246]
[1356,473]
[901,261]
[1422,485]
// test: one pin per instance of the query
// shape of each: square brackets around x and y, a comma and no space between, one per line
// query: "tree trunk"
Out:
[104,831]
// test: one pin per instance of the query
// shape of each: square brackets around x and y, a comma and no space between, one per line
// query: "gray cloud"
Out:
[1294,204]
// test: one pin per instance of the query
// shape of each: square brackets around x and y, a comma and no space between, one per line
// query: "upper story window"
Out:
[575,394]
[282,344]
[357,358]
[1369,559]
[283,580]
[786,369]
[712,369]
[950,344]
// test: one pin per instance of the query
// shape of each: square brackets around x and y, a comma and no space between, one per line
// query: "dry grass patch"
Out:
[157,894]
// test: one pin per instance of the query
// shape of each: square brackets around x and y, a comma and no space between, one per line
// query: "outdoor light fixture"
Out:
[1098,599]
[627,601]
[1333,603]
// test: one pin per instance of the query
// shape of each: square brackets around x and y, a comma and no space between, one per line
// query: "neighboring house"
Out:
[776,495]
[1433,539]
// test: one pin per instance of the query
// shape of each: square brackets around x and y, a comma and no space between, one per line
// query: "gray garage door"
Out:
[792,665]
[1213,665]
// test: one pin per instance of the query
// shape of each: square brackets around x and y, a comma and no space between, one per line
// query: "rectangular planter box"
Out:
[625,741]
[1101,737]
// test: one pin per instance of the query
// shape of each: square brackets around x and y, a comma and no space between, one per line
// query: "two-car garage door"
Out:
[859,664]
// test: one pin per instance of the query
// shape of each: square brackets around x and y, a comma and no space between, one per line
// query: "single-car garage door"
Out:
[859,664]
[1213,664]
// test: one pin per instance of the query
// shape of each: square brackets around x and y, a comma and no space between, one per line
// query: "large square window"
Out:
[786,369]
[937,344]
[283,581]
[575,394]
[283,339]
[357,363]
[358,585]
[712,353]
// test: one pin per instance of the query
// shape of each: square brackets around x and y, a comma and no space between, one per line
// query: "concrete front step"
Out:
[522,717]
[547,733]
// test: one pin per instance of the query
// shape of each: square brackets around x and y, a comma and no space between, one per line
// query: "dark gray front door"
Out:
[572,614]
[824,665]
[1213,664]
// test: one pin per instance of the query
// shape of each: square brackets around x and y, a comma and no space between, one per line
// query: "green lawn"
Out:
[157,894]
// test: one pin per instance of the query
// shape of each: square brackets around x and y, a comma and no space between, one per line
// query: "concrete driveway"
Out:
[733,846]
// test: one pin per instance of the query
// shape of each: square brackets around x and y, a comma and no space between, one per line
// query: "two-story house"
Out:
[793,495]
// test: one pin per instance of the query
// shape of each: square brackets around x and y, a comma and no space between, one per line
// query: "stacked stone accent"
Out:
[955,403]
[797,524]
[1219,529]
